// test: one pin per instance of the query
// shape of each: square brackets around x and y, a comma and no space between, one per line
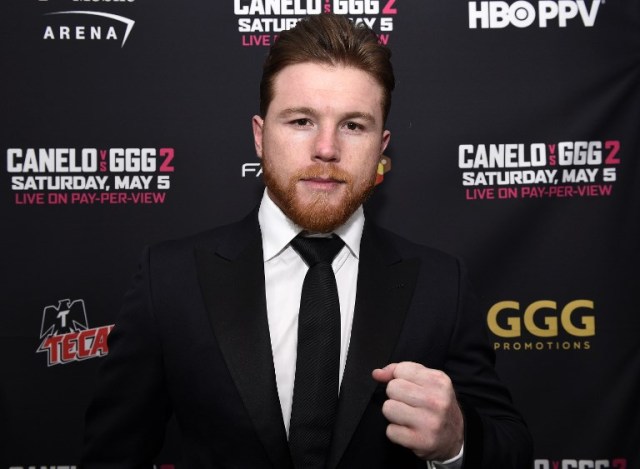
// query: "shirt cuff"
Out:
[453,463]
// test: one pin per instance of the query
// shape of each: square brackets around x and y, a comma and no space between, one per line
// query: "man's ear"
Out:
[257,123]
[386,137]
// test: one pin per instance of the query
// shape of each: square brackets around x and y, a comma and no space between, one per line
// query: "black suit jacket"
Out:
[193,339]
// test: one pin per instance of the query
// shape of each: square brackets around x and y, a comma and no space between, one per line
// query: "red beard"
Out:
[319,215]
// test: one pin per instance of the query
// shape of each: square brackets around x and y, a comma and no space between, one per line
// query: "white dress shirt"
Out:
[284,272]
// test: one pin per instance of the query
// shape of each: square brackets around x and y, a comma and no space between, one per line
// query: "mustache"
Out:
[323,172]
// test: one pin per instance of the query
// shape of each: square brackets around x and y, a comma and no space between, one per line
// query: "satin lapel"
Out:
[232,282]
[385,287]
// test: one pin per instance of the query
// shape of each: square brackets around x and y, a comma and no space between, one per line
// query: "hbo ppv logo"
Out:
[542,319]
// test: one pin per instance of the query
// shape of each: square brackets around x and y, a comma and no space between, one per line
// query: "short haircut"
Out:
[333,40]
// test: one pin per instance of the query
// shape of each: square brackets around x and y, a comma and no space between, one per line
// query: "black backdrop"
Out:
[515,144]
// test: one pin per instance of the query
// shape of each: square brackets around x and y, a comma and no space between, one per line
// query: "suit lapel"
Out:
[232,283]
[385,287]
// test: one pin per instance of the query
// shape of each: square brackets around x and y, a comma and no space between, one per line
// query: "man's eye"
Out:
[301,122]
[353,126]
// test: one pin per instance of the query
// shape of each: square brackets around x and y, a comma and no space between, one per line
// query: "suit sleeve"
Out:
[495,434]
[125,422]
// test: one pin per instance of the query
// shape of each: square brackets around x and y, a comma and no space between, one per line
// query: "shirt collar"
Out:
[277,230]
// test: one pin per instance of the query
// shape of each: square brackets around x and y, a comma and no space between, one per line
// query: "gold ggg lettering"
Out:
[548,326]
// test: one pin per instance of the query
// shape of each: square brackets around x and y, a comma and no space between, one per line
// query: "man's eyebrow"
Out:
[310,112]
[360,115]
[296,110]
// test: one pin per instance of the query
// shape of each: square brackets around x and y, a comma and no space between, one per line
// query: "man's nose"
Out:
[326,146]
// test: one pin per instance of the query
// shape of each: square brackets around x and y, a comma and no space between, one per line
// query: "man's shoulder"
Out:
[228,236]
[444,272]
[408,248]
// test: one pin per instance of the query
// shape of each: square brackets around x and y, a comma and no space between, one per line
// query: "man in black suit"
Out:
[209,331]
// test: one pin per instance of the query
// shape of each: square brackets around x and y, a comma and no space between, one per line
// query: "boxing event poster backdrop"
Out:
[515,145]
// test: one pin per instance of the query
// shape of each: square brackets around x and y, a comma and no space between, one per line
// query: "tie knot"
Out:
[316,250]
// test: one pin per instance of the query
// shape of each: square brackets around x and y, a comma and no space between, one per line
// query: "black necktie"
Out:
[315,390]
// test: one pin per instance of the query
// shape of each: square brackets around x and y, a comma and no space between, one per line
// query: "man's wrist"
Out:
[453,463]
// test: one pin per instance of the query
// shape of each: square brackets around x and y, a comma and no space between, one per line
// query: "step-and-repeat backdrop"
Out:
[515,145]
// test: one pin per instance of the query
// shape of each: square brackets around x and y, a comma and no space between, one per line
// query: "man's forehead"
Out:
[314,81]
[323,67]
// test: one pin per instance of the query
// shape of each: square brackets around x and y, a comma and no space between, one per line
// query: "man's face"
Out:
[320,142]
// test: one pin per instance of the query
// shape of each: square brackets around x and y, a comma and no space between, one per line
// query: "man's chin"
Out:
[323,215]
[320,211]
[320,200]
[308,193]
[319,222]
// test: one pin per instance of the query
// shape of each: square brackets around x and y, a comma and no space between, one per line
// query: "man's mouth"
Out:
[322,183]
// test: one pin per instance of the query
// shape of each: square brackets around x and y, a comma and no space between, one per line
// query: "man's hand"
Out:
[422,410]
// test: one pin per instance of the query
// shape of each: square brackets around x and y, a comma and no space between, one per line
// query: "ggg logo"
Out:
[522,14]
[542,319]
[548,326]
